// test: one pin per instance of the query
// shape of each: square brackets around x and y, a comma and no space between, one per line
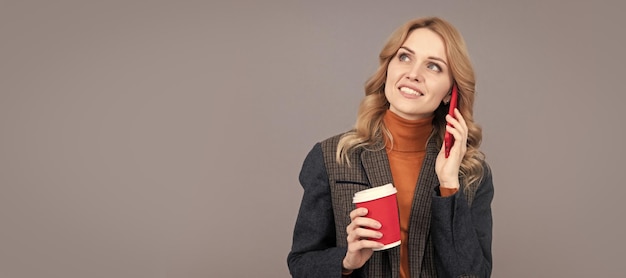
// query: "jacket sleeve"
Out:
[314,252]
[461,233]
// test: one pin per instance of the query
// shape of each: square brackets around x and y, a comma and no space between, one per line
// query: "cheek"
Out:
[389,83]
[387,89]
[440,89]
[393,73]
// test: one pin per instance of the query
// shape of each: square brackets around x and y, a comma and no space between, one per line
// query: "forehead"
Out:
[426,42]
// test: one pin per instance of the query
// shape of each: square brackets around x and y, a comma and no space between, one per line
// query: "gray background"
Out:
[164,138]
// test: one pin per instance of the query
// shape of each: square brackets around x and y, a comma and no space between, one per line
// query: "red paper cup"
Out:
[382,206]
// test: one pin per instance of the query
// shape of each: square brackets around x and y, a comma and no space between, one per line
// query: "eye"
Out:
[403,57]
[434,66]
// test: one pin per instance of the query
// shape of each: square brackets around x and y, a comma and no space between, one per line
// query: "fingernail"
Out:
[379,235]
[378,225]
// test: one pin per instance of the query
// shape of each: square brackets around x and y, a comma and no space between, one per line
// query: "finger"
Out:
[459,127]
[364,244]
[367,222]
[457,120]
[358,212]
[455,133]
[462,124]
[361,233]
[364,233]
[460,118]
[452,121]
[352,237]
[362,222]
[460,140]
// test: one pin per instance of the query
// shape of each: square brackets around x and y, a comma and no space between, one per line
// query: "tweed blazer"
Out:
[448,237]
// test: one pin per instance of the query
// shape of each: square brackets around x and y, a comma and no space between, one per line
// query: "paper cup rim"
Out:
[374,193]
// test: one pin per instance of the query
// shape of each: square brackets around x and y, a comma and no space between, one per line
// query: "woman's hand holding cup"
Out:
[360,230]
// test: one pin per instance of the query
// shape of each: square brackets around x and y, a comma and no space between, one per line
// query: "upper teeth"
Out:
[410,91]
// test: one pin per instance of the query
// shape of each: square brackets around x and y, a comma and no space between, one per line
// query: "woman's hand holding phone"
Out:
[454,148]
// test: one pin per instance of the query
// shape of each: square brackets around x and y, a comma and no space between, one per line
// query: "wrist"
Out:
[449,185]
[344,270]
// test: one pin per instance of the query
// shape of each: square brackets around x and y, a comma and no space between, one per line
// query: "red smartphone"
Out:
[448,140]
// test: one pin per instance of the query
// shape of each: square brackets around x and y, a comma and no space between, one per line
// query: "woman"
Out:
[444,203]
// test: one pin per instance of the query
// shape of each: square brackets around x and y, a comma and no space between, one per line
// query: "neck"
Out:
[407,135]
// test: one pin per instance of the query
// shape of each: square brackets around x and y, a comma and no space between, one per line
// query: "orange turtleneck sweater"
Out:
[406,153]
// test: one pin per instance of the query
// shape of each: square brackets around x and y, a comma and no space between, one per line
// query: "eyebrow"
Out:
[430,57]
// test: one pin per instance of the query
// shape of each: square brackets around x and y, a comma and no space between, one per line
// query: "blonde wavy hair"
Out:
[369,128]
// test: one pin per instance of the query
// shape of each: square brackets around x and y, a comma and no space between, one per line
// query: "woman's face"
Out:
[418,76]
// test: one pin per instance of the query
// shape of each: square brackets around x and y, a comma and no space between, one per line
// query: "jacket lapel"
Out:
[378,171]
[376,165]
[419,227]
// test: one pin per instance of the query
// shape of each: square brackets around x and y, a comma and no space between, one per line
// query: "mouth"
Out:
[410,91]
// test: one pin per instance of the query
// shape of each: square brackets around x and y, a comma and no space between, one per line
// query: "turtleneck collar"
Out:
[408,135]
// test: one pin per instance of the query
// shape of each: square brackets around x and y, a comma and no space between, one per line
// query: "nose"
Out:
[415,73]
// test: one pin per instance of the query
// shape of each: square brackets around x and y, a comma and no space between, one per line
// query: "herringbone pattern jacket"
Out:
[448,237]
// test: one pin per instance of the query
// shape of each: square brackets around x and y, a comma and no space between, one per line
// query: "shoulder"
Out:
[324,149]
[332,145]
[333,140]
[329,148]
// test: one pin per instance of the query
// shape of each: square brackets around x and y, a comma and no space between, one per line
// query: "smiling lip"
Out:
[410,92]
